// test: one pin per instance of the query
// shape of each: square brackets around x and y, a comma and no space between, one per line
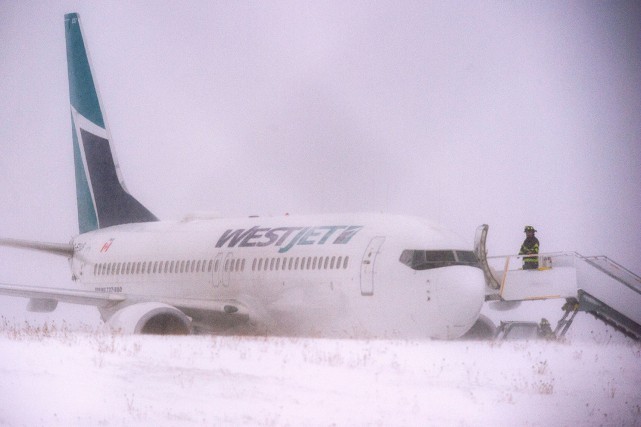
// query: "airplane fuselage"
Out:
[329,275]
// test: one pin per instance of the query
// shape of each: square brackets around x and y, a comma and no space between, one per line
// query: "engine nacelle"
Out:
[150,318]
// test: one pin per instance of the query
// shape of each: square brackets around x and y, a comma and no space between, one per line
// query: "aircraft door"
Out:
[367,265]
[481,253]
[226,269]
[217,272]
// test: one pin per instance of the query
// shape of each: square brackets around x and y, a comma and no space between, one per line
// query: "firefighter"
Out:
[530,246]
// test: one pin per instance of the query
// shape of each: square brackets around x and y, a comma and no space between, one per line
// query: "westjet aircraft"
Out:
[350,275]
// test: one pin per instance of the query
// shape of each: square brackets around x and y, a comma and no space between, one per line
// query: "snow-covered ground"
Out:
[69,376]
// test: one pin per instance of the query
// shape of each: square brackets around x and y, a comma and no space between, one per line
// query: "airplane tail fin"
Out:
[102,197]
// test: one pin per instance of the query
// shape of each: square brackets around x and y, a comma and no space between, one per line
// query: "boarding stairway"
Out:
[592,284]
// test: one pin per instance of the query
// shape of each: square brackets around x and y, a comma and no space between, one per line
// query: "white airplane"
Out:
[350,275]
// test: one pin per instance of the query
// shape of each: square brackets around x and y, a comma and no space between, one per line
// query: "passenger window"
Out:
[331,264]
[277,263]
[210,265]
[296,264]
[291,263]
[345,262]
[326,262]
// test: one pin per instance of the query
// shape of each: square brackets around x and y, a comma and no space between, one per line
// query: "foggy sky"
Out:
[500,113]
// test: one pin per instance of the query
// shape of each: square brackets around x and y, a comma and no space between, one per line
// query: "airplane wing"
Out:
[72,296]
[44,299]
[207,313]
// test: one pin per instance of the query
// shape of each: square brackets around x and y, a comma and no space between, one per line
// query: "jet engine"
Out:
[150,318]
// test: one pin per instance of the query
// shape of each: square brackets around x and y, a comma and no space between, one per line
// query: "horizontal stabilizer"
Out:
[64,249]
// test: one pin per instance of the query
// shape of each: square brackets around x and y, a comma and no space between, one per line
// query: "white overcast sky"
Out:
[506,113]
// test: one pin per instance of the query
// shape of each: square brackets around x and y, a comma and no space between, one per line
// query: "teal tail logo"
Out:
[101,195]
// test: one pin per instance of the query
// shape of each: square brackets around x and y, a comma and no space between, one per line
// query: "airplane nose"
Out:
[461,294]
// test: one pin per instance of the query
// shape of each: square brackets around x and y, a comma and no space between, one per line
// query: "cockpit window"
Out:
[424,260]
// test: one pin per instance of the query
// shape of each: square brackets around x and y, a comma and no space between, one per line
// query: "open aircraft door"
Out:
[367,266]
[481,253]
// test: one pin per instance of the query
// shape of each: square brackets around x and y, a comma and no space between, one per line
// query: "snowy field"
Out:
[57,376]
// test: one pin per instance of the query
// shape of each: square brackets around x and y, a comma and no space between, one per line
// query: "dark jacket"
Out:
[530,247]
